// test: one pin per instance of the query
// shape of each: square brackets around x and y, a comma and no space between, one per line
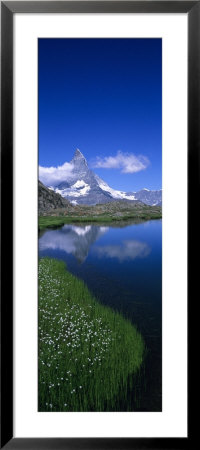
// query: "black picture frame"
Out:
[8,9]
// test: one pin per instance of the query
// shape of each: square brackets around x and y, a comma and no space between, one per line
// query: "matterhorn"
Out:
[85,187]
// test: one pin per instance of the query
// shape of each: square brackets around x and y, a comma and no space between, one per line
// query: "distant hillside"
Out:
[115,209]
[49,200]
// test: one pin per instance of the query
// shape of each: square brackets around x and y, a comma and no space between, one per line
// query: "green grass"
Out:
[53,221]
[58,221]
[87,352]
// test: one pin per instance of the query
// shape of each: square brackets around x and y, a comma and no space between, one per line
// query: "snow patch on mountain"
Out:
[79,184]
[115,194]
[76,190]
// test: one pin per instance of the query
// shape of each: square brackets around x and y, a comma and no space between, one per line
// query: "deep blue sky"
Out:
[102,95]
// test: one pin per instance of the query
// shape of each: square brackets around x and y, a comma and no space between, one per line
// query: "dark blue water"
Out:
[122,266]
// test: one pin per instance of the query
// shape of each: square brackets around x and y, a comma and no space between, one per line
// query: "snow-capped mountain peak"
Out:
[85,187]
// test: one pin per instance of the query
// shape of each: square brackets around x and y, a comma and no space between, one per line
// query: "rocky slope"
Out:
[49,200]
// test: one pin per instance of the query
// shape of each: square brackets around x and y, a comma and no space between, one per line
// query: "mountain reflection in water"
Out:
[72,239]
[77,240]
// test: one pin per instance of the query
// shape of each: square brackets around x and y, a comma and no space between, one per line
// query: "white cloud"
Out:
[50,176]
[126,162]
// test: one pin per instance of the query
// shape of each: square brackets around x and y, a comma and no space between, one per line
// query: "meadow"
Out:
[88,354]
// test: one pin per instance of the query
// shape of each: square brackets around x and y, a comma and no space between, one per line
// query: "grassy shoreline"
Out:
[87,352]
[59,221]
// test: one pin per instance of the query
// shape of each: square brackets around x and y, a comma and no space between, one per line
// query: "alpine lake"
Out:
[121,264]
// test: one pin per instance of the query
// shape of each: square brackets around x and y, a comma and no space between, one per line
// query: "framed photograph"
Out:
[100,108]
